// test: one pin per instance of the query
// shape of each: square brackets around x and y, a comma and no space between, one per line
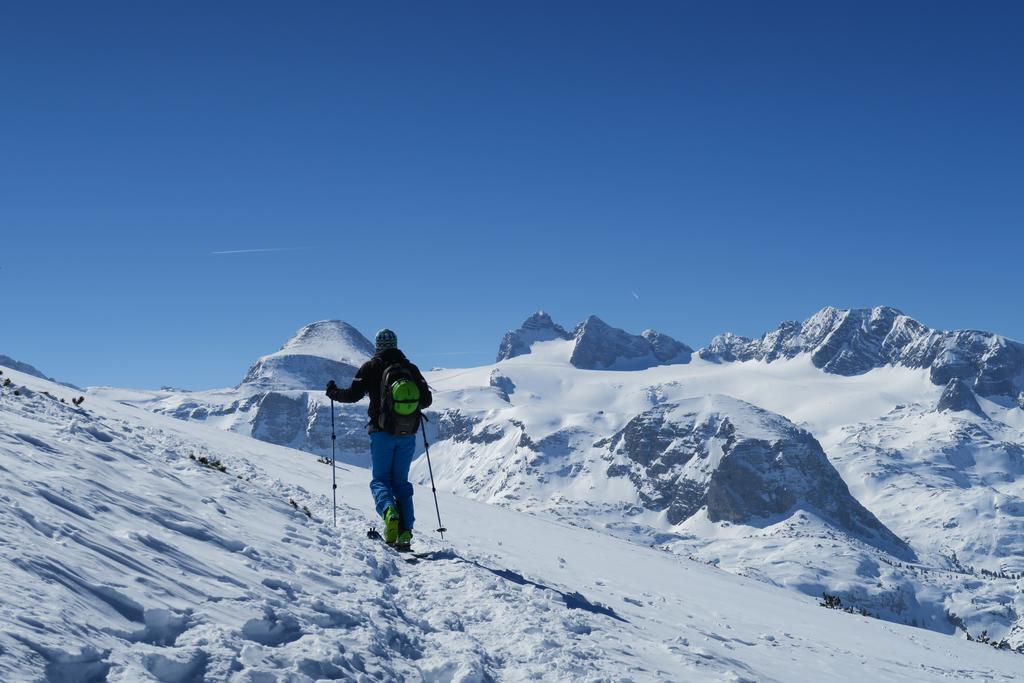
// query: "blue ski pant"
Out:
[390,458]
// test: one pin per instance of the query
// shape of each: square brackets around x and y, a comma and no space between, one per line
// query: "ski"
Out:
[409,556]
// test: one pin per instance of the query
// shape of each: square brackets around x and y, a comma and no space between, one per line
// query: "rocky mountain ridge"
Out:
[8,362]
[855,341]
[739,463]
[539,327]
[596,344]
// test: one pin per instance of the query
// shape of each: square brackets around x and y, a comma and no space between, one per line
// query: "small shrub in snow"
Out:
[212,463]
[984,637]
[835,602]
[291,501]
[831,601]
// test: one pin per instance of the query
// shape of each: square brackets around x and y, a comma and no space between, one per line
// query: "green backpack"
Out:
[399,400]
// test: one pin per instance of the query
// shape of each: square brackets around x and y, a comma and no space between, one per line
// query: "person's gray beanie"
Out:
[386,339]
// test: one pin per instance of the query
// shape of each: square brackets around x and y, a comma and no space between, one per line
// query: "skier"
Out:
[397,394]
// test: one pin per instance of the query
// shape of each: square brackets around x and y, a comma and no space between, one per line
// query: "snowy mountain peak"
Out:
[840,341]
[328,349]
[957,396]
[537,328]
[333,339]
[592,325]
[599,346]
[540,320]
[875,315]
[596,345]
[666,349]
[854,341]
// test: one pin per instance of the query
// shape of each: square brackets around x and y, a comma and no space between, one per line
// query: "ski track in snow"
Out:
[126,560]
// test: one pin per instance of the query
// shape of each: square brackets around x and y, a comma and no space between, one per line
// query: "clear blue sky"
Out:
[447,168]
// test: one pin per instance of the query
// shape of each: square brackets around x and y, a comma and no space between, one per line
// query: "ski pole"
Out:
[426,447]
[334,474]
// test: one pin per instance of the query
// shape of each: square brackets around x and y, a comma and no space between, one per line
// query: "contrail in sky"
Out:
[258,251]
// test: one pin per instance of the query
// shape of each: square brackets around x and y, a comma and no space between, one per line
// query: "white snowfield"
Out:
[124,559]
[951,484]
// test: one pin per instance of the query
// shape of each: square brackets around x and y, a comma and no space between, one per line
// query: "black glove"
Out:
[333,391]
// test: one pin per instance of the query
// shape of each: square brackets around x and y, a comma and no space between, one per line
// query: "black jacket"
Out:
[367,381]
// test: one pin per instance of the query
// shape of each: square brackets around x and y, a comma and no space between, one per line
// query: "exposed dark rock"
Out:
[852,342]
[196,410]
[992,365]
[299,372]
[957,396]
[280,418]
[666,349]
[600,346]
[505,386]
[617,471]
[454,425]
[742,462]
[350,422]
[728,348]
[538,327]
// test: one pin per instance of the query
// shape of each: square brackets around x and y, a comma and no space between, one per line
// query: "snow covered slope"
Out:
[8,362]
[951,482]
[125,559]
[670,456]
[596,449]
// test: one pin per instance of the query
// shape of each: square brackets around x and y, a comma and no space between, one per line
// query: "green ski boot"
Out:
[390,525]
[404,542]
